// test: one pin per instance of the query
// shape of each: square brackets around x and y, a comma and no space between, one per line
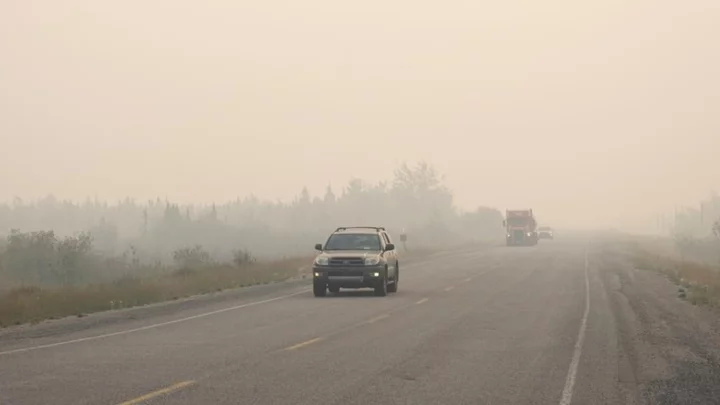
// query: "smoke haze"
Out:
[594,113]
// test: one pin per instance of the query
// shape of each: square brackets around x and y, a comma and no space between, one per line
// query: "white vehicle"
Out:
[545,232]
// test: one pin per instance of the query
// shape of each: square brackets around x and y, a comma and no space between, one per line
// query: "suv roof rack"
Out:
[345,228]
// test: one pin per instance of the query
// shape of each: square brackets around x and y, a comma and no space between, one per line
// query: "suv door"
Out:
[390,256]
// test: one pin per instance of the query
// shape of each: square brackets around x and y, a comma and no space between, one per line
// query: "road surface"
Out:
[564,322]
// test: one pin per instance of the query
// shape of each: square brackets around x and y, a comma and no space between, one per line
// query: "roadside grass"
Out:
[31,304]
[699,282]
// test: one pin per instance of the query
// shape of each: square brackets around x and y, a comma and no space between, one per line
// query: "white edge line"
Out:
[153,326]
[572,371]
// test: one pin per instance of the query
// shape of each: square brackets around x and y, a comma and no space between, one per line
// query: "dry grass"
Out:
[29,304]
[32,304]
[700,283]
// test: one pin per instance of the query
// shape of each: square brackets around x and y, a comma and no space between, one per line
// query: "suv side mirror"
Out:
[318,247]
[389,246]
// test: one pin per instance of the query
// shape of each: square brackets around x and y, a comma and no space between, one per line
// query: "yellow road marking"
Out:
[424,300]
[378,318]
[449,288]
[158,393]
[303,344]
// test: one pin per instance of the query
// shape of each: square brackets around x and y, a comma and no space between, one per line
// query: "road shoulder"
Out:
[668,349]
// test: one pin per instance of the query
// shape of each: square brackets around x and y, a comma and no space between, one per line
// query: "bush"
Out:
[191,258]
[40,258]
[242,257]
[71,252]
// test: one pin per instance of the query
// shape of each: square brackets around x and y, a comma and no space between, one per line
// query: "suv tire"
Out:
[319,289]
[381,289]
[392,288]
[334,290]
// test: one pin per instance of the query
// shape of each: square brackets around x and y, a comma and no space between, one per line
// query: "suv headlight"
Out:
[321,260]
[371,261]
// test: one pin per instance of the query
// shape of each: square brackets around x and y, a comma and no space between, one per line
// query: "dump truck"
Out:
[520,227]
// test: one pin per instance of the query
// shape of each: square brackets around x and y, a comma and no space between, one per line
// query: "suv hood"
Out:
[351,253]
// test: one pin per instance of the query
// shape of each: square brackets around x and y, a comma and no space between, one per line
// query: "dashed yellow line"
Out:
[422,301]
[303,344]
[158,393]
[449,288]
[379,318]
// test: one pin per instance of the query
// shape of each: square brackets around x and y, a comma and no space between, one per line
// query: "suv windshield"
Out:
[353,241]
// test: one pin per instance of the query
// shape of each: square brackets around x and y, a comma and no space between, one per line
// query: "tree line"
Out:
[415,201]
[696,230]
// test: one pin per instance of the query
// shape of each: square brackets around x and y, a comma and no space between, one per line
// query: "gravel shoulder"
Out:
[669,347]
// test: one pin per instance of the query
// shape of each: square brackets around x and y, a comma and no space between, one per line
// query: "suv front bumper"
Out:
[349,277]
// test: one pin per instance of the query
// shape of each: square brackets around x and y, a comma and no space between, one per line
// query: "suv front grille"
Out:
[353,273]
[347,261]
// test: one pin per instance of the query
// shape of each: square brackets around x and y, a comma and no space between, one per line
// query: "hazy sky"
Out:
[584,110]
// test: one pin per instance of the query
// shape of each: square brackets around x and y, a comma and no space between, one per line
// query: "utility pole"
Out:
[145,222]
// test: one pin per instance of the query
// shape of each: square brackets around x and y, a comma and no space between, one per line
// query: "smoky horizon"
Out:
[600,114]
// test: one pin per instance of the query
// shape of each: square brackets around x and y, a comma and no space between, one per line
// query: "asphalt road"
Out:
[500,325]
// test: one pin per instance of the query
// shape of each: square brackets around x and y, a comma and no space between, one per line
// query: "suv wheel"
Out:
[319,289]
[381,289]
[334,289]
[392,288]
